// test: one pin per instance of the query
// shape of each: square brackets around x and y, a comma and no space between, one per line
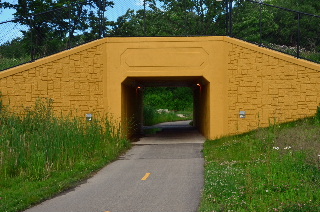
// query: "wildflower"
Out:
[287,147]
[276,148]
[267,190]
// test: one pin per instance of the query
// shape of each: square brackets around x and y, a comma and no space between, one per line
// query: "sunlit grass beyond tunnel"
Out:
[167,104]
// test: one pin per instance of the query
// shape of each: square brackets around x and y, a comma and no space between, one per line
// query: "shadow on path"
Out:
[171,133]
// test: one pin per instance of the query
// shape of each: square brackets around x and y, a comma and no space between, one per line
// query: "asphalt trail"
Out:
[162,172]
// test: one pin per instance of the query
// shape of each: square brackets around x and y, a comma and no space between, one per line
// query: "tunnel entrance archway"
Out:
[132,100]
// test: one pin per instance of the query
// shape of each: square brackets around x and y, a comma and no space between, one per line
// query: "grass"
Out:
[272,169]
[6,63]
[42,155]
[152,117]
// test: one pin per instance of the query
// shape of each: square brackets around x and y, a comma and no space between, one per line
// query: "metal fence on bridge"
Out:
[31,37]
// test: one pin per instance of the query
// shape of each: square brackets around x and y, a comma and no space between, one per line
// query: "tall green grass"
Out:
[48,154]
[273,169]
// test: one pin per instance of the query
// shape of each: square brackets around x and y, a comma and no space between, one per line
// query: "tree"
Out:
[306,6]
[309,25]
[271,25]
[172,98]
[55,25]
[253,22]
[171,18]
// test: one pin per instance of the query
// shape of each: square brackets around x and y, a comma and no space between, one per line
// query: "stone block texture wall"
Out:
[73,80]
[269,88]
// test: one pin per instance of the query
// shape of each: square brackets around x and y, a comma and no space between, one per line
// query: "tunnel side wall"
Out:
[202,109]
[269,86]
[131,110]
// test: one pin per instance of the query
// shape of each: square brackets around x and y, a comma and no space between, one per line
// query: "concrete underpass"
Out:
[132,100]
[237,86]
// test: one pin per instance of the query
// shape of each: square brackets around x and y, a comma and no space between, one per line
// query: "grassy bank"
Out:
[41,155]
[273,169]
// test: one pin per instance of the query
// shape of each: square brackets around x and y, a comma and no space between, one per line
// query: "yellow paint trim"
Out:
[146,176]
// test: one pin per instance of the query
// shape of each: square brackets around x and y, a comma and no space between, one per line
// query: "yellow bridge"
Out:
[237,86]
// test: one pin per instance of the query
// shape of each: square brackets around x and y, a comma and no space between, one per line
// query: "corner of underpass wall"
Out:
[269,87]
[201,111]
[73,79]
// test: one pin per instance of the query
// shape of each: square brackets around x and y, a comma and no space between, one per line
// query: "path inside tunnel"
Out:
[170,133]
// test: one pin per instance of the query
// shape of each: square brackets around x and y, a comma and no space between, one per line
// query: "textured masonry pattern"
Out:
[73,82]
[268,89]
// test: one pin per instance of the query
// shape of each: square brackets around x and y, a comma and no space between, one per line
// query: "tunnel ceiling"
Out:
[188,81]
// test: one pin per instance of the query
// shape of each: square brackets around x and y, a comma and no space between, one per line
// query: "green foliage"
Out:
[278,26]
[178,100]
[47,154]
[169,18]
[51,30]
[272,169]
[246,20]
[152,116]
[172,98]
[307,6]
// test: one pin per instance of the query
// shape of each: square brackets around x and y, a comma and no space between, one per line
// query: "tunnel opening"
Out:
[167,104]
[134,108]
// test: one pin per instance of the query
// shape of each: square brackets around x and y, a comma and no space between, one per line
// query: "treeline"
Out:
[49,26]
[63,24]
[171,98]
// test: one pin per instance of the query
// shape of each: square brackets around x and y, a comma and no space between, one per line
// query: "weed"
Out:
[271,169]
[39,150]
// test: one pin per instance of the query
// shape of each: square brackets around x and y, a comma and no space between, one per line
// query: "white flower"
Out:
[276,148]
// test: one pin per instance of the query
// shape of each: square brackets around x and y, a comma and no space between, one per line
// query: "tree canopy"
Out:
[54,25]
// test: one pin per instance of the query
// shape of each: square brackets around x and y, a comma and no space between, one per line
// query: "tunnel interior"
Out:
[132,89]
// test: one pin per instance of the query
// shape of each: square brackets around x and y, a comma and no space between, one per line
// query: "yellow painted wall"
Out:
[271,87]
[73,79]
[238,76]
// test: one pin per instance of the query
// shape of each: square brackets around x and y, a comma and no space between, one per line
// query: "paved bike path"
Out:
[162,172]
